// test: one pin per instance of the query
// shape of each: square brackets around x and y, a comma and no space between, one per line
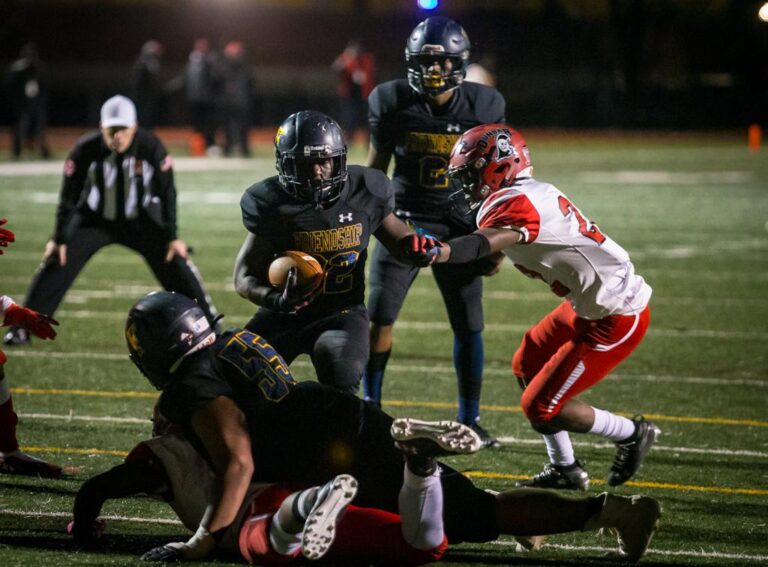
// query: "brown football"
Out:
[308,267]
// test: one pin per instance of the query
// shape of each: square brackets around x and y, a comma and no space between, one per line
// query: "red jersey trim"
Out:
[506,209]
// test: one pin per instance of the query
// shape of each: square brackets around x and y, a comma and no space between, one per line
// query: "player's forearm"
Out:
[232,491]
[249,287]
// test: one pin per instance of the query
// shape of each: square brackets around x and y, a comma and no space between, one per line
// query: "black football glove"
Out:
[293,297]
[419,250]
[165,553]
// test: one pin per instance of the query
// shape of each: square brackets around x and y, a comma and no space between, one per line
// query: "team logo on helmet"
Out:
[133,340]
[503,148]
[280,133]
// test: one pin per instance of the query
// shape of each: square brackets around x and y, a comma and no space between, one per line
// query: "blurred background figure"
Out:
[199,80]
[355,67]
[236,98]
[146,84]
[28,90]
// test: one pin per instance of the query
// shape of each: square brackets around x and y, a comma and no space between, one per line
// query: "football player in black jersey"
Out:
[236,402]
[318,205]
[417,121]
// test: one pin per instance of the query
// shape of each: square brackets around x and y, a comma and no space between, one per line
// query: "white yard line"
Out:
[444,326]
[505,543]
[651,551]
[505,440]
[434,368]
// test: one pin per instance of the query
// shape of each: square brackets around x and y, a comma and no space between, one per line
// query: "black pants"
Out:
[51,281]
[337,342]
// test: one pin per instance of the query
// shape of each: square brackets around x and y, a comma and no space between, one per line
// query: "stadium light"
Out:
[428,4]
[762,13]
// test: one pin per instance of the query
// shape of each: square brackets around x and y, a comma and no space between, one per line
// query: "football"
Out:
[309,269]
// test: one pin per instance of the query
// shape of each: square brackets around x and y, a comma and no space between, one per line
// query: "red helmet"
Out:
[487,158]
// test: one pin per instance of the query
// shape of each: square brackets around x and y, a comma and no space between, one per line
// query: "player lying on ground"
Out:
[603,318]
[274,523]
[12,459]
[237,403]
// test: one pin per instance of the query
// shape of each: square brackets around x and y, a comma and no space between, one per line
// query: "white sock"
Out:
[283,542]
[421,510]
[612,426]
[559,448]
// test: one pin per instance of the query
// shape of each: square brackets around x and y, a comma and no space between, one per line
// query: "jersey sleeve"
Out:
[515,212]
[251,211]
[165,185]
[381,187]
[382,133]
[184,397]
[72,184]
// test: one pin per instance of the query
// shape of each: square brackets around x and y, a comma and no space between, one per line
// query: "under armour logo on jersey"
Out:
[453,128]
[345,217]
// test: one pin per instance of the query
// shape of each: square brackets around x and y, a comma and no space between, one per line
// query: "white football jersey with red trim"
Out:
[563,248]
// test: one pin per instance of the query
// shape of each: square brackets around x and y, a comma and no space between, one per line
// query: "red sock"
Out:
[8,421]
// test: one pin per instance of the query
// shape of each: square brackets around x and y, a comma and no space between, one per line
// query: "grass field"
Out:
[692,212]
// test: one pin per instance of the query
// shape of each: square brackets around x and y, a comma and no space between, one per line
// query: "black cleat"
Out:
[631,452]
[16,336]
[489,441]
[566,477]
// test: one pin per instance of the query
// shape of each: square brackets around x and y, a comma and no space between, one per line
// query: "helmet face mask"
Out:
[488,158]
[311,157]
[162,329]
[437,54]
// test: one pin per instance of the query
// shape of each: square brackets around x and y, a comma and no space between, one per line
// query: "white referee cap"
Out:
[118,111]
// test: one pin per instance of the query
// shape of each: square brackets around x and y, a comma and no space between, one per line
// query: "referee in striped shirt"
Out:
[118,189]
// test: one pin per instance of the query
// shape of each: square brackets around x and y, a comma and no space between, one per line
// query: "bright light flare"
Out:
[762,13]
[428,4]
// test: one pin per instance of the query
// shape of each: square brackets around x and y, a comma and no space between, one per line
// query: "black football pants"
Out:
[51,281]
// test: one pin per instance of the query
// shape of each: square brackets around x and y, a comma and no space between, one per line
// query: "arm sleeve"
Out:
[166,187]
[73,181]
[468,248]
[516,212]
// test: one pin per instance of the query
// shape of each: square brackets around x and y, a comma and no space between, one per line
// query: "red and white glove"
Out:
[36,323]
[6,236]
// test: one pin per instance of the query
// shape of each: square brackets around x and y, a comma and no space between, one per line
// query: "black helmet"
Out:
[302,139]
[437,39]
[162,329]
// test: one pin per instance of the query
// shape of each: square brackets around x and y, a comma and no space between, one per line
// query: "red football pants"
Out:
[564,355]
[363,536]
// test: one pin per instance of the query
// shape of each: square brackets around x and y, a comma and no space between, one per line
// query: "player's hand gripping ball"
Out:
[298,277]
[309,273]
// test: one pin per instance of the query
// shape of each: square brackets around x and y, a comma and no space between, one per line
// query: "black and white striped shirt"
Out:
[100,184]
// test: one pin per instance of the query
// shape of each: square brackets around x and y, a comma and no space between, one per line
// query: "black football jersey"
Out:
[294,426]
[337,237]
[421,139]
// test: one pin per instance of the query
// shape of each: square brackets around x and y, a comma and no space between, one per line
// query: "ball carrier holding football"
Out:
[318,213]
[603,318]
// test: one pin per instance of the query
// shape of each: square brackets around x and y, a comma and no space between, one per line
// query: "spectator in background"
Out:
[28,90]
[235,99]
[200,83]
[147,85]
[355,67]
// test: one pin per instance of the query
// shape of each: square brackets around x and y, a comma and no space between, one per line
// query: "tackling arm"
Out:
[123,480]
[477,245]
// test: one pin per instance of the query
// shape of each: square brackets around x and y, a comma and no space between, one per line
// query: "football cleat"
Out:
[631,452]
[567,477]
[422,441]
[18,462]
[16,336]
[634,520]
[320,527]
[489,441]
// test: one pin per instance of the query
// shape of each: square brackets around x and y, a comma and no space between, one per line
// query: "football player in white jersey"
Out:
[602,319]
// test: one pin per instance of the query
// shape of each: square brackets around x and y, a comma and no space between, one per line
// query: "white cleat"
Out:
[436,438]
[320,527]
[633,519]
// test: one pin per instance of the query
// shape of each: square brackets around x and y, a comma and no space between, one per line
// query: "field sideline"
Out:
[691,211]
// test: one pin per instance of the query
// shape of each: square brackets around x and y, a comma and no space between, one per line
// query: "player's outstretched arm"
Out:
[477,245]
[16,316]
[406,245]
[123,480]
